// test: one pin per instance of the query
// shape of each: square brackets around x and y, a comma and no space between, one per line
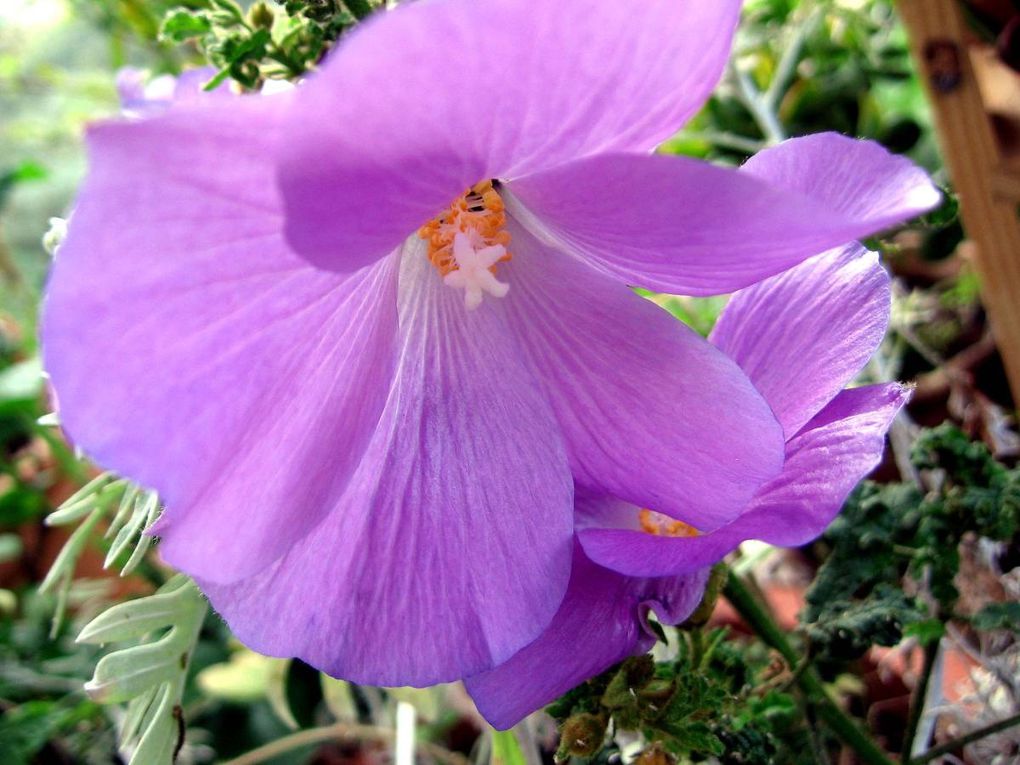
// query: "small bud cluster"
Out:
[265,43]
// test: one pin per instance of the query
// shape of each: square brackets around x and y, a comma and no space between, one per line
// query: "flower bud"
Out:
[581,736]
[261,16]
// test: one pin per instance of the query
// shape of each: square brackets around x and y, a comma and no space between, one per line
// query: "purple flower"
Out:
[263,311]
[801,337]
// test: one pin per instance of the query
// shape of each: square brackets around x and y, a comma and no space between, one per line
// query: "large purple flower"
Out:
[263,310]
[801,337]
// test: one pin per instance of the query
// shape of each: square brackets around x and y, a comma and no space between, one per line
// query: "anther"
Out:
[467,241]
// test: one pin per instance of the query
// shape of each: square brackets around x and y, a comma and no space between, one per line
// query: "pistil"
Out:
[467,241]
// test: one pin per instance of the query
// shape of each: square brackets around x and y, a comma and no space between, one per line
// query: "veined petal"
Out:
[860,180]
[803,335]
[600,623]
[833,452]
[681,225]
[652,413]
[430,98]
[451,548]
[193,352]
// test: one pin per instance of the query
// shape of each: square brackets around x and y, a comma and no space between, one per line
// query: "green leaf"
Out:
[26,729]
[11,547]
[136,618]
[89,496]
[998,616]
[339,699]
[161,738]
[129,672]
[23,380]
[926,631]
[506,750]
[245,677]
[150,676]
[276,692]
[181,25]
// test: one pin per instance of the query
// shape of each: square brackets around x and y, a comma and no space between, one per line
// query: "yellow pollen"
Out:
[478,213]
[661,525]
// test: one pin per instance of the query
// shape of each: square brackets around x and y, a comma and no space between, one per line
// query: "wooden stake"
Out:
[981,176]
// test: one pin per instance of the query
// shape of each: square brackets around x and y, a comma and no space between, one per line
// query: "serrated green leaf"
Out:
[67,558]
[136,618]
[127,502]
[159,738]
[78,504]
[144,505]
[137,711]
[129,672]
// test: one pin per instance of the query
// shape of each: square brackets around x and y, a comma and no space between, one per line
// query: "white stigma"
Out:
[473,274]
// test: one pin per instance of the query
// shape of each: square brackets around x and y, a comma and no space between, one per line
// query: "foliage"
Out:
[717,698]
[262,43]
[717,701]
[887,532]
[150,676]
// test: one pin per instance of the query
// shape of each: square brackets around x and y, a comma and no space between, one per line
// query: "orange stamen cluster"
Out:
[479,213]
[660,525]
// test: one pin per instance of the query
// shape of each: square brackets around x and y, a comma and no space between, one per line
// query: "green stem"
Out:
[360,9]
[754,102]
[951,746]
[697,646]
[920,695]
[759,620]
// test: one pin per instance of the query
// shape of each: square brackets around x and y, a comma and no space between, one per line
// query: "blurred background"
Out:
[921,647]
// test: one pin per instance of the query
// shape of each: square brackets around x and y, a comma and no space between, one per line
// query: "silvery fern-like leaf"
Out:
[144,512]
[149,675]
[137,510]
[137,618]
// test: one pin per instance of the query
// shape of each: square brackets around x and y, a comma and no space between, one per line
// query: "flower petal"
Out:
[428,99]
[825,461]
[803,335]
[681,225]
[599,624]
[860,180]
[193,352]
[651,412]
[451,548]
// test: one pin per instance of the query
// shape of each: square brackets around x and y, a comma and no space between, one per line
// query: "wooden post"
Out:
[942,50]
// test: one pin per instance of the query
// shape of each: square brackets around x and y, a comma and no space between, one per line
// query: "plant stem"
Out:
[340,731]
[920,695]
[759,620]
[951,746]
[754,101]
[360,9]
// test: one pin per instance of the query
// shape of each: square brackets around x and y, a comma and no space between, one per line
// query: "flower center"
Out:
[467,241]
[660,525]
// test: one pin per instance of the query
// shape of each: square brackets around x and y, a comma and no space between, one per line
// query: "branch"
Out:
[920,696]
[836,719]
[951,746]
